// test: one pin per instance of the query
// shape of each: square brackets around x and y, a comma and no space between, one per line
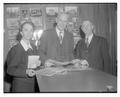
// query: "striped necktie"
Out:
[86,42]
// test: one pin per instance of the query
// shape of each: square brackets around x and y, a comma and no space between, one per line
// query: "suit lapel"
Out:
[92,42]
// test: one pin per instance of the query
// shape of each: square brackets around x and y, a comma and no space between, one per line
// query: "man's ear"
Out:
[21,33]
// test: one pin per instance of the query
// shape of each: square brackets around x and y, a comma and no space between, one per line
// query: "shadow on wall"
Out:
[82,34]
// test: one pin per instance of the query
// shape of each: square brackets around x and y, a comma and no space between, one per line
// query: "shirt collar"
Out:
[58,32]
[25,46]
[90,38]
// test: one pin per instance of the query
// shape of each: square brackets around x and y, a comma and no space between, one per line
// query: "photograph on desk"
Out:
[60,48]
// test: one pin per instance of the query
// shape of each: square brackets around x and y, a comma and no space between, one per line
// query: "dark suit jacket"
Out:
[97,54]
[17,61]
[50,47]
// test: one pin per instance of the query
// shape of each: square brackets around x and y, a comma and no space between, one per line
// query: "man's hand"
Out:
[30,72]
[75,61]
[38,63]
[80,63]
[49,63]
[84,63]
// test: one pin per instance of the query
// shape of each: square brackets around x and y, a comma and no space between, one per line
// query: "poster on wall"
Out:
[24,13]
[73,19]
[35,12]
[51,11]
[36,17]
[71,10]
[13,32]
[13,12]
[12,23]
[37,21]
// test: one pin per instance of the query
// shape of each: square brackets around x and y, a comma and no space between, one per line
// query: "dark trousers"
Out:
[23,85]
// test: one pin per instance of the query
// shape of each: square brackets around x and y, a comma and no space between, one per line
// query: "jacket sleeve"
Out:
[13,62]
[42,49]
[105,55]
[76,50]
[71,48]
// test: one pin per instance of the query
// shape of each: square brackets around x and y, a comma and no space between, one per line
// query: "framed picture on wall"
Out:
[24,13]
[13,12]
[35,12]
[71,10]
[12,23]
[51,11]
[13,32]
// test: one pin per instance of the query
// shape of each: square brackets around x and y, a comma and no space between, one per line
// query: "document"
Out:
[33,61]
[51,71]
[73,63]
[55,63]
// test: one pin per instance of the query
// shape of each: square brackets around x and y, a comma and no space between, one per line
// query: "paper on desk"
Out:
[73,68]
[51,71]
[51,62]
[33,61]
[75,61]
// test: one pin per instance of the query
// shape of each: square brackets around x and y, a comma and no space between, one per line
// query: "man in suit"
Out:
[92,48]
[57,43]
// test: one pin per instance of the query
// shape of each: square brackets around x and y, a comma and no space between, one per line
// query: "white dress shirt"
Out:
[60,32]
[89,38]
[25,45]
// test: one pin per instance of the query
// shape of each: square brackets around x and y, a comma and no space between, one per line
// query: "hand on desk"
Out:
[80,63]
[38,63]
[84,63]
[49,63]
[30,72]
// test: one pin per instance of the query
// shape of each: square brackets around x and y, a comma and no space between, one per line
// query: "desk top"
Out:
[78,81]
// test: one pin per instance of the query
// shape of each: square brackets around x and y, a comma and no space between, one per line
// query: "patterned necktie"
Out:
[87,42]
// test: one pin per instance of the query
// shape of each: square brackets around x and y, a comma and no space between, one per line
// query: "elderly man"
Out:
[93,48]
[57,43]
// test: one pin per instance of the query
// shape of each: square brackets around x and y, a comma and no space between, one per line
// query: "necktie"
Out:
[60,37]
[87,42]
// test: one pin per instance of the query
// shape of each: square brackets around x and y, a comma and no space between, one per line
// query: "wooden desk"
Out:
[78,81]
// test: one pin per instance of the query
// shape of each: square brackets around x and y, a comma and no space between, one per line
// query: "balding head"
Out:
[87,27]
[87,22]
